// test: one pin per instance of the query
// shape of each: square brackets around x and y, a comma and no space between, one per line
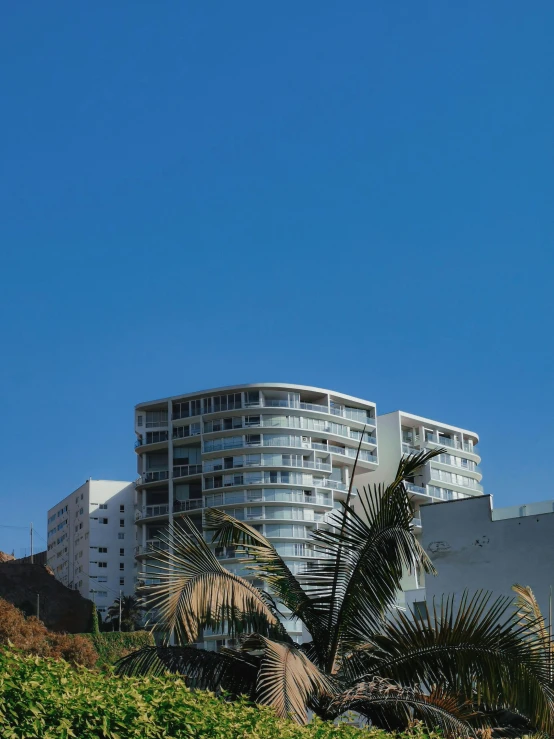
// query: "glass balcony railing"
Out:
[266,496]
[454,478]
[163,509]
[155,475]
[152,545]
[180,506]
[409,449]
[417,489]
[335,484]
[364,455]
[186,470]
[452,443]
[153,510]
[354,414]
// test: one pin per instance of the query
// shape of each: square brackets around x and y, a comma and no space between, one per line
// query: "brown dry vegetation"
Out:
[31,636]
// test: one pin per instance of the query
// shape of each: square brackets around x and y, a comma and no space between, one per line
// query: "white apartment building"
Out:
[91,541]
[453,475]
[279,456]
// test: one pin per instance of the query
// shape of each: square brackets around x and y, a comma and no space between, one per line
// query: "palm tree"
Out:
[473,664]
[131,612]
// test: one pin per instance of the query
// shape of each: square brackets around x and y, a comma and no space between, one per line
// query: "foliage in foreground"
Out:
[47,699]
[114,645]
[466,666]
[31,636]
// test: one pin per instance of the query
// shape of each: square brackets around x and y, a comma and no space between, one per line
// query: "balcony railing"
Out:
[348,452]
[153,510]
[335,484]
[467,482]
[411,488]
[152,545]
[187,505]
[186,470]
[353,414]
[155,476]
[452,443]
[266,496]
[409,449]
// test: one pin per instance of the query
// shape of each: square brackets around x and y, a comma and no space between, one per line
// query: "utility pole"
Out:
[32,561]
[120,610]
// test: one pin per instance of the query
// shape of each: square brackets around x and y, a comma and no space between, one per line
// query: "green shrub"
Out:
[49,699]
[112,645]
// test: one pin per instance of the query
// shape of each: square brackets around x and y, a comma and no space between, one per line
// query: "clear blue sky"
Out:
[353,195]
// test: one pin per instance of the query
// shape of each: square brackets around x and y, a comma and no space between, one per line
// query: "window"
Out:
[139,420]
[103,520]
[81,511]
[122,552]
[102,593]
[122,581]
[101,578]
[103,506]
[103,550]
[122,509]
[102,565]
[121,566]
[121,523]
[121,536]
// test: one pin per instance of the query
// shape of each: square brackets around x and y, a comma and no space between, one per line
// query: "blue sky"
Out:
[352,195]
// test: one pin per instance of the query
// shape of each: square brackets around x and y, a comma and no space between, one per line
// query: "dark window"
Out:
[121,523]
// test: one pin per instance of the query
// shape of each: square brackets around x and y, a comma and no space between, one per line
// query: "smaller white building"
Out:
[475,547]
[454,474]
[91,541]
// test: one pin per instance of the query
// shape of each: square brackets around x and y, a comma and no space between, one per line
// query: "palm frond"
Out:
[366,554]
[194,590]
[268,565]
[392,706]
[287,680]
[476,650]
[530,613]
[230,670]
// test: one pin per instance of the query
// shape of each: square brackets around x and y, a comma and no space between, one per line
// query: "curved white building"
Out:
[279,456]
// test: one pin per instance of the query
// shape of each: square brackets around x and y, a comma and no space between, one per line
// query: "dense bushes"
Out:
[47,699]
[31,635]
[112,645]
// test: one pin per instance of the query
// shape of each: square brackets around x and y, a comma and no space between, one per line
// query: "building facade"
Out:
[453,475]
[278,456]
[475,547]
[91,541]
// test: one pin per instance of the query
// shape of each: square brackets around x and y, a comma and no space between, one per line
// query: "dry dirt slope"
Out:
[61,609]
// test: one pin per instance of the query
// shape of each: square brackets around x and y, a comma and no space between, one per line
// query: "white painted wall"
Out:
[75,559]
[471,550]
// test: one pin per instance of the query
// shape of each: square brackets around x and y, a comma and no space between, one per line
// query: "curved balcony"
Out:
[183,506]
[163,510]
[186,470]
[253,497]
[152,511]
[153,476]
[152,546]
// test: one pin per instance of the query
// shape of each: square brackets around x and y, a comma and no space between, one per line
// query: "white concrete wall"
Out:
[473,551]
[75,559]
